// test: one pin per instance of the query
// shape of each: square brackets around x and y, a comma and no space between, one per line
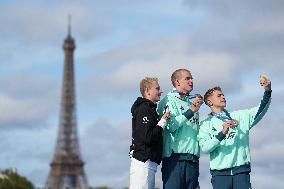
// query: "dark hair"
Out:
[209,93]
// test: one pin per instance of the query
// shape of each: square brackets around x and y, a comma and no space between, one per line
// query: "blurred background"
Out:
[224,42]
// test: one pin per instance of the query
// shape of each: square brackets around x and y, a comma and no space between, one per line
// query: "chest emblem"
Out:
[145,120]
[231,135]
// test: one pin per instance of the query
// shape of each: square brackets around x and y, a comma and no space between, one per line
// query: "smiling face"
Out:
[216,100]
[154,92]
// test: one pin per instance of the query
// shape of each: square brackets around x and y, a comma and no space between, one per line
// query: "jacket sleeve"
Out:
[250,117]
[147,131]
[208,141]
[177,119]
[262,109]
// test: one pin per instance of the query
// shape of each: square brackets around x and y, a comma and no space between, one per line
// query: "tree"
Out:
[102,187]
[15,181]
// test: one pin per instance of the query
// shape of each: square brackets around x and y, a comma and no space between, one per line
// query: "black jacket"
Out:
[147,139]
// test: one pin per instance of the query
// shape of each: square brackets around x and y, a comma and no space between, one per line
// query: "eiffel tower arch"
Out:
[67,167]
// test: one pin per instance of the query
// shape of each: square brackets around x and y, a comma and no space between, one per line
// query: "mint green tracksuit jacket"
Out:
[231,150]
[180,133]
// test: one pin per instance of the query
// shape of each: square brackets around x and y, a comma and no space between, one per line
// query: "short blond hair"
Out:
[176,75]
[147,83]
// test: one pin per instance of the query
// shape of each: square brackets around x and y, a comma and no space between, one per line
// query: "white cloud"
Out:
[36,22]
[107,152]
[27,101]
[160,59]
[223,43]
[22,113]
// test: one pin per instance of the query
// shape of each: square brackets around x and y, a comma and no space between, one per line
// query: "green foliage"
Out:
[128,188]
[15,181]
[105,187]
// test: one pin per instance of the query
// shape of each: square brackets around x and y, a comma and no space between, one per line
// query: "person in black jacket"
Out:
[147,141]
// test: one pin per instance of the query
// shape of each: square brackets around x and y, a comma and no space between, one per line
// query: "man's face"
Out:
[154,92]
[217,99]
[185,82]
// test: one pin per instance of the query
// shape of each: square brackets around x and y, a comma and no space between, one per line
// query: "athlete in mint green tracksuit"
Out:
[180,163]
[225,136]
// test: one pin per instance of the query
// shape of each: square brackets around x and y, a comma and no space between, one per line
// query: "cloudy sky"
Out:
[223,42]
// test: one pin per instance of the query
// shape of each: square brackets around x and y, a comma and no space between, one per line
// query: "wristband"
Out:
[162,123]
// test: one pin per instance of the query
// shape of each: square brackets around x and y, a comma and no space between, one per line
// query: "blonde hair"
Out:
[146,83]
[176,75]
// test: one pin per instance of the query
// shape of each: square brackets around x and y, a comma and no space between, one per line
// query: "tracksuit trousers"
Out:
[180,174]
[237,181]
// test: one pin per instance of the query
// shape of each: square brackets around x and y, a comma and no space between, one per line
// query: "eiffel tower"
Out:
[67,170]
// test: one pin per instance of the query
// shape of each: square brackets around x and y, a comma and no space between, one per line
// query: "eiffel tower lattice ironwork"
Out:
[67,167]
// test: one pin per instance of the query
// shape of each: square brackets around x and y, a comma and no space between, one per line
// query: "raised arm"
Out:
[265,102]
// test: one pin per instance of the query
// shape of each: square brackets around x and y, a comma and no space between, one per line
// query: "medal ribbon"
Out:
[190,96]
[225,118]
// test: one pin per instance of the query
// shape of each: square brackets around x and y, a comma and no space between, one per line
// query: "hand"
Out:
[230,124]
[163,121]
[234,123]
[226,127]
[166,115]
[197,103]
[265,82]
[267,85]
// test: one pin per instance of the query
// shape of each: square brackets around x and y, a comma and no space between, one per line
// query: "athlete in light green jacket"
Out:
[225,136]
[180,165]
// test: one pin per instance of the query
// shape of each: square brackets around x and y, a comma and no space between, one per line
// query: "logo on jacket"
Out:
[194,120]
[231,135]
[145,120]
